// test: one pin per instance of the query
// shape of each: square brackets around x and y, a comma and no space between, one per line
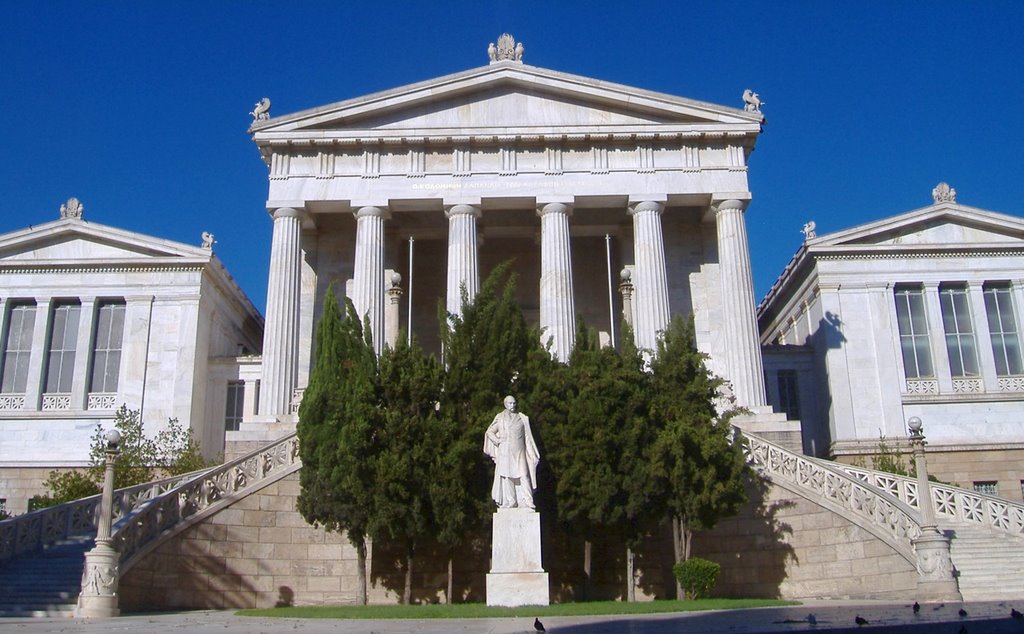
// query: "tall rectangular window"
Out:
[17,348]
[1002,325]
[956,322]
[60,362]
[789,393]
[106,349]
[913,325]
[235,405]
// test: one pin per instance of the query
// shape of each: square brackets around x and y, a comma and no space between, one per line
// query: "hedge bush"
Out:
[696,576]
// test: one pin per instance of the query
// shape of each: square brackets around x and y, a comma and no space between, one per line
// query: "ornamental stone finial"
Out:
[809,230]
[72,208]
[751,101]
[208,240]
[506,49]
[943,193]
[261,111]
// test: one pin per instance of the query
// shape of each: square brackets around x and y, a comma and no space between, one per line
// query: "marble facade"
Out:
[842,356]
[178,316]
[575,179]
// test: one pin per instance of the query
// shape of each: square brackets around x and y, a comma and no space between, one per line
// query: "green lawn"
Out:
[479,610]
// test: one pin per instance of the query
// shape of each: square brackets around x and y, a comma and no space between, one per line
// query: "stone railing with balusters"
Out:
[174,511]
[38,529]
[949,502]
[889,518]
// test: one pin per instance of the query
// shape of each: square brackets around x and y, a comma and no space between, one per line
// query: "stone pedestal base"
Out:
[99,583]
[935,569]
[516,576]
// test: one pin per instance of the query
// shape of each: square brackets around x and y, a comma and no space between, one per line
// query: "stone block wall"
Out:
[781,545]
[260,553]
[18,484]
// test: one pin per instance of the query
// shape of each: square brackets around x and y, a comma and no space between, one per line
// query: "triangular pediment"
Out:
[506,97]
[940,225]
[79,241]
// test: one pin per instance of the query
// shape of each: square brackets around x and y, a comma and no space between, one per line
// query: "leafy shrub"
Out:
[697,576]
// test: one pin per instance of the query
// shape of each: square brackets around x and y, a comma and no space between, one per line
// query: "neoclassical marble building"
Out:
[93,317]
[405,196]
[914,315]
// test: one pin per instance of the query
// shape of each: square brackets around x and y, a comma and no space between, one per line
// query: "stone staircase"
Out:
[989,563]
[46,584]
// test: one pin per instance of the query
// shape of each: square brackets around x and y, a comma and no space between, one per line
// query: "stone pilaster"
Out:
[463,267]
[557,306]
[650,277]
[281,333]
[368,273]
[37,359]
[83,351]
[743,354]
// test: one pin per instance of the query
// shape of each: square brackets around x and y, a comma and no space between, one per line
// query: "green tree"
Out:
[485,349]
[337,422]
[410,384]
[698,466]
[597,452]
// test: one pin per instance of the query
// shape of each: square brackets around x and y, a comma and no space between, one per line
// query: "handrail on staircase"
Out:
[950,502]
[38,529]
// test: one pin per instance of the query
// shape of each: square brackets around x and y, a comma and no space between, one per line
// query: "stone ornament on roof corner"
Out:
[506,49]
[943,193]
[208,240]
[809,230]
[72,209]
[261,111]
[751,101]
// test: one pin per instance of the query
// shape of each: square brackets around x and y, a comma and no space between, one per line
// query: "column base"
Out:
[99,583]
[515,589]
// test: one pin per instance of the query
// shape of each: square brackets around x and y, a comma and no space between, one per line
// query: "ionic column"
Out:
[743,352]
[83,351]
[650,277]
[37,358]
[463,268]
[557,308]
[368,274]
[281,333]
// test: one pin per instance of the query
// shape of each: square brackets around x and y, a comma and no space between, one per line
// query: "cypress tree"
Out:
[410,382]
[697,465]
[337,419]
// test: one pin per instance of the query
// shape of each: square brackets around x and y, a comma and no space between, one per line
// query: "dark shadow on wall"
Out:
[751,547]
[828,336]
[471,562]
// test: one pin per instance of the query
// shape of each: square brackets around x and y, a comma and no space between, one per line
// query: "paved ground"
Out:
[828,616]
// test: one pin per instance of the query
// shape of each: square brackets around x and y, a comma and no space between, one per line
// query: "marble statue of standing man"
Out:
[509,442]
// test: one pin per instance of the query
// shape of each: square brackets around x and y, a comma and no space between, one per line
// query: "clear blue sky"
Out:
[139,109]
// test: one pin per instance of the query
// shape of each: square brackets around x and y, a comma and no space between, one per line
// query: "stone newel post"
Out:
[934,567]
[99,579]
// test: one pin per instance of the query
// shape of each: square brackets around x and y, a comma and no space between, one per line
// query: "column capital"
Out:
[729,204]
[646,206]
[462,209]
[299,213]
[372,210]
[554,208]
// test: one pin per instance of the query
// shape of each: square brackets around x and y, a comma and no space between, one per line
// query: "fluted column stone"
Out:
[650,275]
[557,306]
[368,274]
[463,265]
[281,331]
[739,319]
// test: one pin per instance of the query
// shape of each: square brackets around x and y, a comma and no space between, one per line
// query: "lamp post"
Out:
[99,579]
[935,580]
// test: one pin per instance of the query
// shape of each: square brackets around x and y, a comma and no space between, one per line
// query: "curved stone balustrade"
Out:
[38,529]
[177,509]
[949,502]
[872,508]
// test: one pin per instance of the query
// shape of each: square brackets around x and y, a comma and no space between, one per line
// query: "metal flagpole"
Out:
[408,326]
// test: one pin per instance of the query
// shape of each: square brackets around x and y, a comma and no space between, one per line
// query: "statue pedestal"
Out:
[516,576]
